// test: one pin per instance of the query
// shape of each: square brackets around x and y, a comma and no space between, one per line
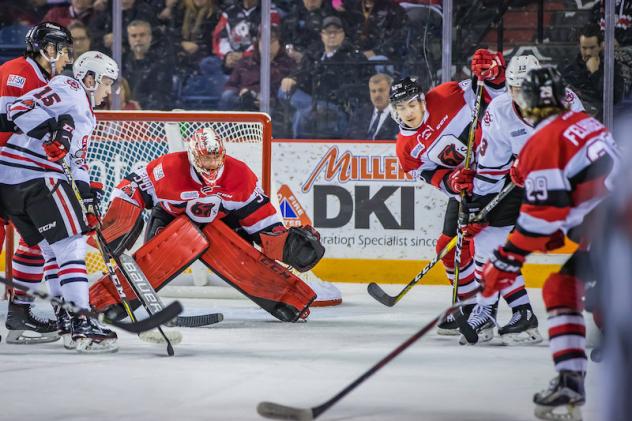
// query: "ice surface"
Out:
[221,373]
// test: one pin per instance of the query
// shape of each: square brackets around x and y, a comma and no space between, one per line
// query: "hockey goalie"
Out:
[209,206]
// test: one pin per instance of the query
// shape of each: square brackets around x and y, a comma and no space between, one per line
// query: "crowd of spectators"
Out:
[332,61]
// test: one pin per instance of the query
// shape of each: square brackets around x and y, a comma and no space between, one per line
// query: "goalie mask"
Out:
[206,153]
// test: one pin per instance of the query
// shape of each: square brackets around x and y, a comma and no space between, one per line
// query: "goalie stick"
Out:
[380,295]
[107,256]
[135,275]
[168,313]
[282,412]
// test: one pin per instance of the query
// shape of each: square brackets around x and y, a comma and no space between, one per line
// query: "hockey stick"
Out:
[135,275]
[168,313]
[380,295]
[468,157]
[107,256]
[282,412]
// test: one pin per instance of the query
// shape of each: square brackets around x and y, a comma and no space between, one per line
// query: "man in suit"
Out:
[374,122]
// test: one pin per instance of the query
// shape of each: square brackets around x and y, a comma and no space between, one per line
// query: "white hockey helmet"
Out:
[98,64]
[518,68]
[206,142]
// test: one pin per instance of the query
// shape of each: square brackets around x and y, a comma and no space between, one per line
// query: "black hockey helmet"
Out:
[39,36]
[405,90]
[542,87]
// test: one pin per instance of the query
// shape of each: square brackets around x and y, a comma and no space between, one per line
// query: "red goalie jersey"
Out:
[171,183]
[566,167]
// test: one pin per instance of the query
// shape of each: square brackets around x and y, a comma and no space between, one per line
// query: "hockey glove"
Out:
[469,227]
[489,66]
[59,144]
[92,202]
[461,180]
[516,178]
[299,247]
[500,271]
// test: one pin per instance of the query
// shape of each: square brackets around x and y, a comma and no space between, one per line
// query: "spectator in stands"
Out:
[80,38]
[300,30]
[242,90]
[101,23]
[623,20]
[316,89]
[149,67]
[78,10]
[374,122]
[127,103]
[376,28]
[236,31]
[195,22]
[585,74]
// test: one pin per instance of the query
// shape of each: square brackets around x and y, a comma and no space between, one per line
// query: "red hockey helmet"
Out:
[206,153]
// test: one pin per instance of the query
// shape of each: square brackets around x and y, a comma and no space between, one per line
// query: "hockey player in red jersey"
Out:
[48,51]
[51,124]
[566,168]
[204,186]
[432,144]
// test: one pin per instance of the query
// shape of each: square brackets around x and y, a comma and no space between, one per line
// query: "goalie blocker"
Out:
[179,243]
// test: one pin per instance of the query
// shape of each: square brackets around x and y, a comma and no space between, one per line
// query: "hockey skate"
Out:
[479,326]
[91,337]
[522,329]
[63,327]
[450,326]
[565,394]
[26,328]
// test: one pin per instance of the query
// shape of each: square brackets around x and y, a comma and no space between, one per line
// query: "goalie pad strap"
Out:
[161,259]
[299,247]
[264,281]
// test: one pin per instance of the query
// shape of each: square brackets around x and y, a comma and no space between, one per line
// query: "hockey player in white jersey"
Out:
[504,133]
[55,123]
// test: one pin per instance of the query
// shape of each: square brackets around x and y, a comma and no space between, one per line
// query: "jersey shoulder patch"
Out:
[170,175]
[16,81]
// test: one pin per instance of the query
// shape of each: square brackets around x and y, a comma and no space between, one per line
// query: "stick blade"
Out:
[281,412]
[200,320]
[163,316]
[380,295]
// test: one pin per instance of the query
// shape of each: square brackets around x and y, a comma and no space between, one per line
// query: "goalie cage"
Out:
[124,140]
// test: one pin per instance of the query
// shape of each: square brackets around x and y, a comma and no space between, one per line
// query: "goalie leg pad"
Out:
[273,287]
[161,259]
[299,247]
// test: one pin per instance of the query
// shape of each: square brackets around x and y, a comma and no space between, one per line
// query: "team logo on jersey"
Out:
[73,84]
[205,210]
[158,172]
[16,81]
[293,213]
[487,119]
[425,134]
[569,97]
[450,156]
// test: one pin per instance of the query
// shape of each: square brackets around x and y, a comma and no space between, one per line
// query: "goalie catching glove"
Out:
[299,247]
